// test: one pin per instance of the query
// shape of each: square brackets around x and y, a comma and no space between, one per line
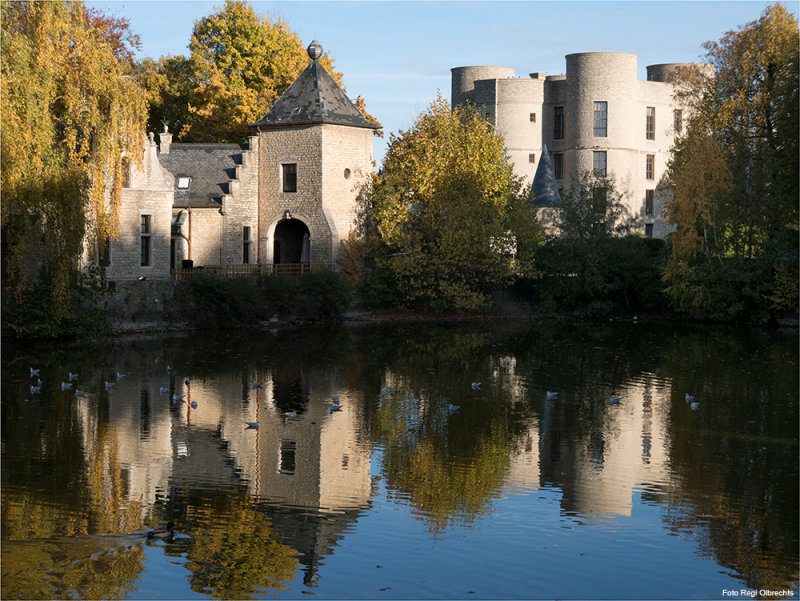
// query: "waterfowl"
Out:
[252,425]
[551,395]
[614,400]
[476,385]
[256,385]
[163,533]
[291,414]
[193,404]
[110,385]
[36,389]
[335,408]
[79,392]
[689,397]
[177,397]
[34,372]
[120,376]
[335,400]
[66,385]
[453,408]
[72,377]
[694,405]
[187,380]
[163,390]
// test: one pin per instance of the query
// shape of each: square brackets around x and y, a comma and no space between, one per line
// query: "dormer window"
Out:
[183,183]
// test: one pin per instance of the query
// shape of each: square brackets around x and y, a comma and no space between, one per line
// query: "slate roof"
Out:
[314,97]
[544,191]
[209,168]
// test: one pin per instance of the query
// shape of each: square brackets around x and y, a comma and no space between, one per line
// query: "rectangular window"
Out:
[533,117]
[289,175]
[649,196]
[677,120]
[288,457]
[247,245]
[558,165]
[650,166]
[601,119]
[650,126]
[558,122]
[183,183]
[648,230]
[532,158]
[146,240]
[599,163]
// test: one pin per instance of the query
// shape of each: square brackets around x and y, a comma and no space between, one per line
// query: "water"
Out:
[447,473]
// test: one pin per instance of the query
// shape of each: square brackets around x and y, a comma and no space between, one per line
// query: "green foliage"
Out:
[621,274]
[70,112]
[442,205]
[222,303]
[239,64]
[39,317]
[734,176]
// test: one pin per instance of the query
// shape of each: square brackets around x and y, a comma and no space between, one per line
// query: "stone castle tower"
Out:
[598,116]
[315,157]
[287,194]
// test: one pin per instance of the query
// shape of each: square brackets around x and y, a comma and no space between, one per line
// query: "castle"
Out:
[285,196]
[288,195]
[598,117]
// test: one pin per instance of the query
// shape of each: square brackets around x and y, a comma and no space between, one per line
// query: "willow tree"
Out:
[734,174]
[240,62]
[448,205]
[71,112]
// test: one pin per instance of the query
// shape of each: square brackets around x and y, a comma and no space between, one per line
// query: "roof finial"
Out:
[314,50]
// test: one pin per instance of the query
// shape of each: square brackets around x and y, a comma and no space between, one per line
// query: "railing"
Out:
[291,270]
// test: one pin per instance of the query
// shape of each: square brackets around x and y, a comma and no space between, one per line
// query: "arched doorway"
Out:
[288,241]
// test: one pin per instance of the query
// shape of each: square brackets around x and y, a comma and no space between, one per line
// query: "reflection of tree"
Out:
[65,568]
[736,456]
[449,462]
[233,553]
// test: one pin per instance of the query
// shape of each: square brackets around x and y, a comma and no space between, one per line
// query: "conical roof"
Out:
[544,190]
[314,97]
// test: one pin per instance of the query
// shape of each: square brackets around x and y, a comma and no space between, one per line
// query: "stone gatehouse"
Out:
[286,195]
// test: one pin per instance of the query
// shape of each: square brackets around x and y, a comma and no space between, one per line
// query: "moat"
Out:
[404,461]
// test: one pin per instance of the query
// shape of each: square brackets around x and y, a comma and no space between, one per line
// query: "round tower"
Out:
[670,72]
[593,77]
[462,80]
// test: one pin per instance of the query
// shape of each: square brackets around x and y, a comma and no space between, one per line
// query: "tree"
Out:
[71,111]
[734,175]
[239,64]
[443,202]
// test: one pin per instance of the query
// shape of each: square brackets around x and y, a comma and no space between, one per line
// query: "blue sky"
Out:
[398,55]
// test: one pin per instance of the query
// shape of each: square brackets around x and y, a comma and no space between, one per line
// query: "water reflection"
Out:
[445,420]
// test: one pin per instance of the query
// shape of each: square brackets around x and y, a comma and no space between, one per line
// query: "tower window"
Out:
[532,157]
[648,230]
[600,163]
[247,245]
[649,196]
[558,122]
[601,119]
[146,240]
[558,165]
[289,177]
[650,166]
[677,120]
[650,125]
[533,117]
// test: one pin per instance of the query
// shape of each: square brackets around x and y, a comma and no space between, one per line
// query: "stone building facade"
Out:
[287,194]
[598,116]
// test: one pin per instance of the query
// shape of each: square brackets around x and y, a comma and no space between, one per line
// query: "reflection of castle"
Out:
[310,473]
[599,470]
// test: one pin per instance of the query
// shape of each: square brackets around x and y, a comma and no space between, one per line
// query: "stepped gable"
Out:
[544,190]
[209,167]
[314,97]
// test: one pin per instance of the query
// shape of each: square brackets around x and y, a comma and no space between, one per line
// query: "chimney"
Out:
[165,139]
[538,75]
